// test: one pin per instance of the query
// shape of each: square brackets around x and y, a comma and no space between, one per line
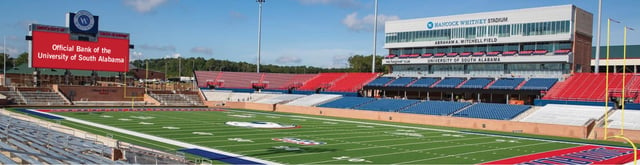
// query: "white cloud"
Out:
[340,61]
[366,23]
[202,50]
[175,55]
[144,6]
[11,51]
[337,3]
[288,60]
[237,15]
[170,48]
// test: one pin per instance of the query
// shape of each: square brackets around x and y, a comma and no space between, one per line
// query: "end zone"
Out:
[588,154]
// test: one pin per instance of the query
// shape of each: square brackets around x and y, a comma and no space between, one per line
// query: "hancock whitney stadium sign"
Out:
[479,60]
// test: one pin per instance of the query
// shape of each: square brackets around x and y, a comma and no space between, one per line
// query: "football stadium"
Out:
[496,87]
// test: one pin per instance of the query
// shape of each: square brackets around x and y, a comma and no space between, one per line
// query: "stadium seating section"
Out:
[442,108]
[631,119]
[315,99]
[506,83]
[449,83]
[347,102]
[177,99]
[380,81]
[493,111]
[335,82]
[573,88]
[388,105]
[34,144]
[401,82]
[424,82]
[351,82]
[576,115]
[477,83]
[542,84]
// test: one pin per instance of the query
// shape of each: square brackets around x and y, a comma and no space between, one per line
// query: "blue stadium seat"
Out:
[387,105]
[442,108]
[380,81]
[539,84]
[493,111]
[347,102]
[449,82]
[506,83]
[477,83]
[401,82]
[424,82]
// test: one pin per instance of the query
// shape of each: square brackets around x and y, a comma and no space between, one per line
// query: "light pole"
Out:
[4,56]
[375,36]
[260,2]
[624,69]
[606,79]
[597,68]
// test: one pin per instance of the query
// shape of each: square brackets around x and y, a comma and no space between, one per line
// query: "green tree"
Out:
[360,63]
[22,58]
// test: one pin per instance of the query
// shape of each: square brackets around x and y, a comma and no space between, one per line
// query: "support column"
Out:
[507,102]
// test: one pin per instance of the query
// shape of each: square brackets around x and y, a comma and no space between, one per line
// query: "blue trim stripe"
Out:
[218,157]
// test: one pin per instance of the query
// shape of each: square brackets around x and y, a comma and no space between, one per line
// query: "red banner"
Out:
[577,155]
[57,51]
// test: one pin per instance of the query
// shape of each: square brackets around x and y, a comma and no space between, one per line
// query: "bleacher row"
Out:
[51,98]
[481,53]
[575,115]
[442,108]
[457,82]
[573,88]
[335,82]
[24,142]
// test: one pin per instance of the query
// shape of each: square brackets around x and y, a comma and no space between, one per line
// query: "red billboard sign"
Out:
[55,49]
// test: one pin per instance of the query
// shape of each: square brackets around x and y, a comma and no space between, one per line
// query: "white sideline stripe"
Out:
[159,139]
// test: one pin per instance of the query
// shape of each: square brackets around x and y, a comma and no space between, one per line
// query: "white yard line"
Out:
[393,153]
[424,142]
[467,153]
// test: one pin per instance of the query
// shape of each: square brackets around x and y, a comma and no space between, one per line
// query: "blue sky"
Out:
[321,33]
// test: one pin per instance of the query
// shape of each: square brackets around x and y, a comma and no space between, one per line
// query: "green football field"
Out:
[342,141]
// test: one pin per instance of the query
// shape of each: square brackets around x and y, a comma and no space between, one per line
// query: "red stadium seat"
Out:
[480,53]
[562,51]
[390,56]
[509,53]
[540,52]
[493,53]
[525,52]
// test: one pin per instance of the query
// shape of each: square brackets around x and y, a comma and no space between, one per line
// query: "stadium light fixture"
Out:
[597,67]
[606,79]
[375,37]
[260,2]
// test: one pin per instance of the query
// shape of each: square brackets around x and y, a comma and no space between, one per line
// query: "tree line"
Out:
[175,67]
